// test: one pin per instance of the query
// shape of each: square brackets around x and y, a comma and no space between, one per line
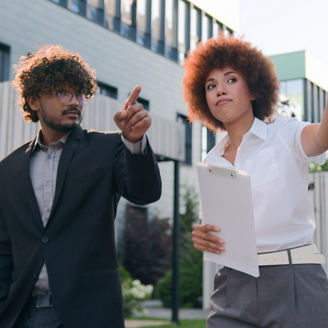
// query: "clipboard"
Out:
[226,201]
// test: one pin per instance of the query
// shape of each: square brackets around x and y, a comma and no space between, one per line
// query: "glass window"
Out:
[128,19]
[107,90]
[171,29]
[321,105]
[211,139]
[294,90]
[182,31]
[217,28]
[144,102]
[195,27]
[112,15]
[312,102]
[229,31]
[4,62]
[156,27]
[188,138]
[143,22]
[61,2]
[78,6]
[208,141]
[207,29]
[95,11]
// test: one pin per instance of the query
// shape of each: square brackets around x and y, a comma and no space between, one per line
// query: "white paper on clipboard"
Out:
[226,201]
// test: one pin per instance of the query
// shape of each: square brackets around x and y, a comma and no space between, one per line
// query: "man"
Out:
[58,199]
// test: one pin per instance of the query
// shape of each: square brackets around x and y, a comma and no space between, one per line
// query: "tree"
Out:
[146,245]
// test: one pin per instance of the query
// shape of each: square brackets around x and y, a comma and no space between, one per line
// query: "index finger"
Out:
[133,96]
[207,227]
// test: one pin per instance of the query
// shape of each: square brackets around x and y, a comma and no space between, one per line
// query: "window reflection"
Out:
[156,37]
[128,24]
[182,47]
[217,28]
[143,27]
[195,35]
[78,6]
[4,62]
[207,28]
[95,11]
[294,90]
[208,141]
[188,138]
[61,2]
[170,29]
[107,90]
[111,21]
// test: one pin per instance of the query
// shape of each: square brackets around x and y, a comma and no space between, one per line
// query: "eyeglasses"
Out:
[67,96]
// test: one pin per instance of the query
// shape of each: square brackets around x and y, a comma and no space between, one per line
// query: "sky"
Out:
[279,26]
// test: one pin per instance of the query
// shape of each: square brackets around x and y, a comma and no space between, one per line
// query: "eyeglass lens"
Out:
[66,97]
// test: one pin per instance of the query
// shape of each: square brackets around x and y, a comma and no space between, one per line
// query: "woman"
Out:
[232,86]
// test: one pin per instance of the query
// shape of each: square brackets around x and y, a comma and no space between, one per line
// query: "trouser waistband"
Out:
[301,255]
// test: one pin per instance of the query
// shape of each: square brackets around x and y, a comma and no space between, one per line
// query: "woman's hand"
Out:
[204,240]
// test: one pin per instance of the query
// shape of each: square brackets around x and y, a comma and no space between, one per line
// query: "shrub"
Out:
[133,293]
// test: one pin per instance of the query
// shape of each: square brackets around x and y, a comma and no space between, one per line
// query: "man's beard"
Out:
[58,126]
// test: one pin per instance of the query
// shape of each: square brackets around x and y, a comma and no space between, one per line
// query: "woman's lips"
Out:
[221,102]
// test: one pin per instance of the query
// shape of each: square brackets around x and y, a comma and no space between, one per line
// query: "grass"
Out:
[187,323]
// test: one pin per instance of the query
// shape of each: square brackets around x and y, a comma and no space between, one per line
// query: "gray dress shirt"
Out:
[43,172]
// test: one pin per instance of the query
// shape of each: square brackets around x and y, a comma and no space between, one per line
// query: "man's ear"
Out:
[34,103]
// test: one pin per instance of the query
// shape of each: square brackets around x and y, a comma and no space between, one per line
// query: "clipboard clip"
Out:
[222,172]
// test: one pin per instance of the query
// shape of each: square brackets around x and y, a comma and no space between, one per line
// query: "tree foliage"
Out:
[146,245]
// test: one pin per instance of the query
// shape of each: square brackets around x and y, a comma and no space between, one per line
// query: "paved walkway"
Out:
[155,310]
[144,323]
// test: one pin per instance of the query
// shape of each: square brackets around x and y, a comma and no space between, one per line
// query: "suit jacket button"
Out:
[45,240]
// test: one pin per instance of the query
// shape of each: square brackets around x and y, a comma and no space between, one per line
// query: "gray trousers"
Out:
[284,296]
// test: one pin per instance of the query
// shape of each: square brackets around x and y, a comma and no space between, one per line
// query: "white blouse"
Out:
[273,156]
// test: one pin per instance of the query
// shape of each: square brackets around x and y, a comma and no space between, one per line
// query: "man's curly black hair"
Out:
[50,69]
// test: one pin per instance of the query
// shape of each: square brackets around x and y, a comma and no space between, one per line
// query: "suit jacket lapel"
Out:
[25,184]
[69,149]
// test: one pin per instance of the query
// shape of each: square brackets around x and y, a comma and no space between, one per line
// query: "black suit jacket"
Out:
[78,244]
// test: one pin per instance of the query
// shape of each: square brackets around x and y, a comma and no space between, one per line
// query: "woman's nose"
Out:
[220,89]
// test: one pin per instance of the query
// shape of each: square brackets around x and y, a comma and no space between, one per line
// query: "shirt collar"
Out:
[258,129]
[38,143]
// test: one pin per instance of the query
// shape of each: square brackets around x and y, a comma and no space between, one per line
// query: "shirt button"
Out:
[45,240]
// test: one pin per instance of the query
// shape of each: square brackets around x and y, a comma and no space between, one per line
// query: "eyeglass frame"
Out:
[66,97]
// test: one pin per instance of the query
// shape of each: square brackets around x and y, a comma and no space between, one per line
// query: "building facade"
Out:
[303,79]
[127,42]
